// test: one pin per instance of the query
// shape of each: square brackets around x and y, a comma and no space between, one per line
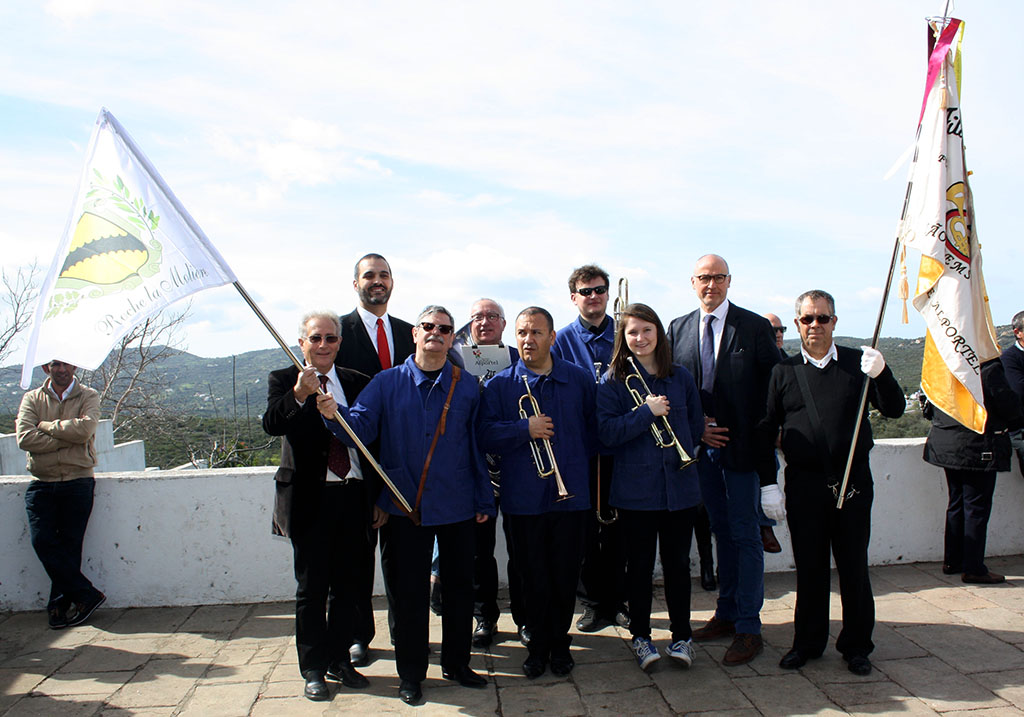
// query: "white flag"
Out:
[939,222]
[129,249]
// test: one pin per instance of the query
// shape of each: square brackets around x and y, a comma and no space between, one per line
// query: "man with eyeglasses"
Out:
[373,341]
[813,397]
[780,332]
[731,352]
[588,342]
[320,504]
[424,413]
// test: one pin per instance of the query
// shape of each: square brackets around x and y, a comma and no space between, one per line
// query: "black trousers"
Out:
[970,505]
[363,625]
[602,583]
[485,574]
[645,531]
[548,551]
[58,514]
[406,553]
[816,527]
[329,554]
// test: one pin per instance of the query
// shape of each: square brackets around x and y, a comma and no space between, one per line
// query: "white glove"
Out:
[772,503]
[871,361]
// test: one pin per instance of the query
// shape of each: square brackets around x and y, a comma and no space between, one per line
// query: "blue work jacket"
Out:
[644,476]
[567,396]
[392,406]
[577,344]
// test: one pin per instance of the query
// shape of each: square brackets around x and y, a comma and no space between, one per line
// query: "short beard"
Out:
[369,300]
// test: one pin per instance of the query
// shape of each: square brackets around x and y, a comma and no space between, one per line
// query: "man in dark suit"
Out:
[321,505]
[372,341]
[731,352]
[1012,359]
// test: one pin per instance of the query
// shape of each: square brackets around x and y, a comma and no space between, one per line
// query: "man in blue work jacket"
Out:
[424,412]
[546,515]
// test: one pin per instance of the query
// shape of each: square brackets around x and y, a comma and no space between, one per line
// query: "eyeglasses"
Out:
[489,316]
[822,319]
[329,339]
[706,279]
[779,329]
[443,328]
[588,290]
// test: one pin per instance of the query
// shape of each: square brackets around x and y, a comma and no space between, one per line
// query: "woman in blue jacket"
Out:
[656,497]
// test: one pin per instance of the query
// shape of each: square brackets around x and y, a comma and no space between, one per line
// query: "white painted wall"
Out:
[110,458]
[200,537]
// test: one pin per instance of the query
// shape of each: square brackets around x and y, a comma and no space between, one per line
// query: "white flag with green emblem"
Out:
[129,249]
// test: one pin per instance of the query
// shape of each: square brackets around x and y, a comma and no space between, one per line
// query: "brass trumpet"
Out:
[541,447]
[622,300]
[664,436]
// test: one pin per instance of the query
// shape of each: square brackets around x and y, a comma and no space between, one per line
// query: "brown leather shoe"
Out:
[990,578]
[768,539]
[715,628]
[744,648]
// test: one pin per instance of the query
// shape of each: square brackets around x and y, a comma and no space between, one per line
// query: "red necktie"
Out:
[383,352]
[337,454]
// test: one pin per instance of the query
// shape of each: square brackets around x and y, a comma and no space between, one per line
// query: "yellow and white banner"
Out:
[129,249]
[938,220]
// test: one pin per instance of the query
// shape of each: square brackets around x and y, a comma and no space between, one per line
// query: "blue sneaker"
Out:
[681,651]
[645,651]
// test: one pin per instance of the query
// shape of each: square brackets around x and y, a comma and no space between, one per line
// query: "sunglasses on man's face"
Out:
[329,339]
[779,329]
[588,290]
[443,328]
[820,318]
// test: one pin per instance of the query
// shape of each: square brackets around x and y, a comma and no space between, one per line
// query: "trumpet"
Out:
[664,436]
[541,447]
[622,300]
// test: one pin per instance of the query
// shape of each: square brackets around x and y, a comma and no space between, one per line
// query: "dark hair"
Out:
[355,271]
[1018,321]
[534,311]
[585,273]
[620,367]
[814,295]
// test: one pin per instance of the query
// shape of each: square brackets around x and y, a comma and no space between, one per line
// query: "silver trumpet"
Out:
[622,300]
[541,447]
[664,436]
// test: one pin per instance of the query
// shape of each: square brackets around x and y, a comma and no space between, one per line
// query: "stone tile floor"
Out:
[942,647]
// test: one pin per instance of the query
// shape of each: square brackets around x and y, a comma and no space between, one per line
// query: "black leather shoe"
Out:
[622,619]
[410,692]
[347,675]
[792,660]
[524,635]
[484,633]
[534,667]
[591,621]
[859,665]
[359,654]
[316,688]
[464,676]
[562,665]
[989,578]
[707,578]
[80,612]
[57,617]
[950,570]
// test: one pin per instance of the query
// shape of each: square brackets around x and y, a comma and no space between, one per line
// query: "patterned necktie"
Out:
[337,454]
[383,352]
[707,356]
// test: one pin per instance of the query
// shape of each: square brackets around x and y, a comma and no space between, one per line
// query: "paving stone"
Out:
[953,598]
[43,661]
[215,619]
[613,677]
[851,694]
[148,621]
[636,701]
[15,682]
[910,612]
[116,656]
[1008,685]
[778,695]
[905,576]
[988,712]
[236,673]
[99,684]
[902,706]
[1007,625]
[972,650]
[223,700]
[159,683]
[891,644]
[940,686]
[702,687]
[181,646]
[138,712]
[555,698]
[295,707]
[50,705]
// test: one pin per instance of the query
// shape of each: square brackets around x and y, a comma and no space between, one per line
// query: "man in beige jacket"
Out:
[56,427]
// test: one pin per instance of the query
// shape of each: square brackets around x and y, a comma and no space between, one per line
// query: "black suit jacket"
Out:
[1013,366]
[300,478]
[744,364]
[357,350]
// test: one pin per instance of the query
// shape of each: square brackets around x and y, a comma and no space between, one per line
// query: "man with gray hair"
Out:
[424,412]
[1012,359]
[320,504]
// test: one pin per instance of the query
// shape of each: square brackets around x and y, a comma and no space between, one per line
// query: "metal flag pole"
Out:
[337,415]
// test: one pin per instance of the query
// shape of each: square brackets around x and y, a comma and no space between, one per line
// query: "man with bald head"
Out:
[731,352]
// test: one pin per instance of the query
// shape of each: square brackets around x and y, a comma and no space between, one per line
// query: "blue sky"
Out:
[487,149]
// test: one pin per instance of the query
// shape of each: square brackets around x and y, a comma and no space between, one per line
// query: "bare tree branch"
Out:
[19,297]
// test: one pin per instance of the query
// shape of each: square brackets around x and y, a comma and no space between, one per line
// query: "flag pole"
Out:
[337,415]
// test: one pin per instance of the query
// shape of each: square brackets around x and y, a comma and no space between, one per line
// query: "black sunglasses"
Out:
[328,339]
[779,329]
[443,328]
[820,318]
[588,290]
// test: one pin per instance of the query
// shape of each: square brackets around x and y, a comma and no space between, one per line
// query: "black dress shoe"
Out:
[792,660]
[316,688]
[57,617]
[347,675]
[562,665]
[524,635]
[859,665]
[410,692]
[989,578]
[534,667]
[707,578]
[484,633]
[359,654]
[591,620]
[950,570]
[464,676]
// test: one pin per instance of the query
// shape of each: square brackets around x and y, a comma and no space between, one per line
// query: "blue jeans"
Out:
[731,499]
[58,514]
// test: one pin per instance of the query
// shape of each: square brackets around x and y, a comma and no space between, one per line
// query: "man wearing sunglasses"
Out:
[813,397]
[372,340]
[320,504]
[424,413]
[731,352]
[588,342]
